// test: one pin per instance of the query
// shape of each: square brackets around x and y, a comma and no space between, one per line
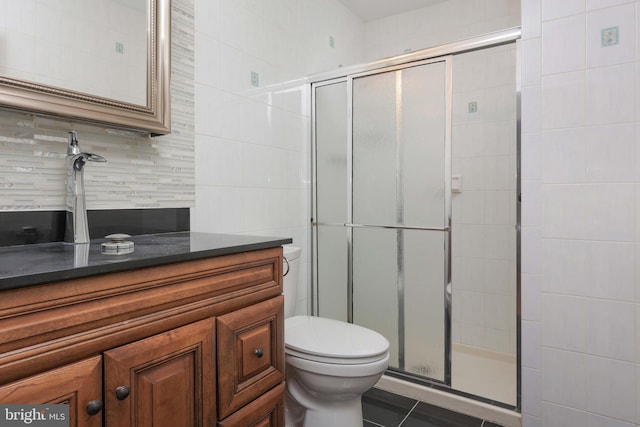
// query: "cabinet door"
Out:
[76,384]
[167,380]
[265,411]
[250,354]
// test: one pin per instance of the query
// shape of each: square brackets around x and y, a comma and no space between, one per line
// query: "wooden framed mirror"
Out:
[104,61]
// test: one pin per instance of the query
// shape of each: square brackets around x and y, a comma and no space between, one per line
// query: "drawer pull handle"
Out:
[94,407]
[122,392]
[259,352]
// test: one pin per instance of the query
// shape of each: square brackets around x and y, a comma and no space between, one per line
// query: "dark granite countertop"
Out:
[28,265]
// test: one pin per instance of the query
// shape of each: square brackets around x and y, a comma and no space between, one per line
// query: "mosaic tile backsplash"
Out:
[141,172]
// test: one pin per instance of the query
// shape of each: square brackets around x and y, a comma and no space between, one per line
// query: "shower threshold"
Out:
[451,401]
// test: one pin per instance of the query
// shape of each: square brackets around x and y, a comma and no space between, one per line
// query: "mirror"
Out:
[102,61]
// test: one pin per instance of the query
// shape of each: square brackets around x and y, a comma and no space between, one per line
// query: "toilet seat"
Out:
[332,341]
[326,368]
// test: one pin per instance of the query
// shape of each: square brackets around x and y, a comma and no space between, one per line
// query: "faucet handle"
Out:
[73,137]
[73,143]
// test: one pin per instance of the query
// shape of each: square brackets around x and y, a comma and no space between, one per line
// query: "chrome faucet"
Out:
[77,227]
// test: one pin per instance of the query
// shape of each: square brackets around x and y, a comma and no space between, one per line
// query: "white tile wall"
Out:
[568,55]
[607,153]
[610,271]
[610,212]
[600,421]
[563,211]
[607,322]
[607,90]
[560,416]
[252,142]
[563,103]
[611,390]
[563,262]
[564,322]
[623,17]
[563,380]
[563,156]
[552,9]
[441,23]
[583,109]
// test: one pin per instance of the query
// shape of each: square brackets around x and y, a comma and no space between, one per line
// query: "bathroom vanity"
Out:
[186,331]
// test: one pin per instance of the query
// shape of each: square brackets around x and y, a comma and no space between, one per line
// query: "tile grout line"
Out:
[408,413]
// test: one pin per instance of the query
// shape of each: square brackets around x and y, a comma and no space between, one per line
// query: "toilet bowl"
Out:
[329,363]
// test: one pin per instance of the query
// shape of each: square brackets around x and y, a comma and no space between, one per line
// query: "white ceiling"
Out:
[369,10]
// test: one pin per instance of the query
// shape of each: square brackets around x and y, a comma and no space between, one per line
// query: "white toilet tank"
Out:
[290,269]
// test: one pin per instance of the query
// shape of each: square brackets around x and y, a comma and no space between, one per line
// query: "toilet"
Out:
[329,363]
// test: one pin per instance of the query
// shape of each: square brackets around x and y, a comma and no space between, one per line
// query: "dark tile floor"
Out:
[383,409]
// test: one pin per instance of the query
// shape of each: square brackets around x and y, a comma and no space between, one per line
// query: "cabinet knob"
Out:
[259,352]
[94,407]
[122,392]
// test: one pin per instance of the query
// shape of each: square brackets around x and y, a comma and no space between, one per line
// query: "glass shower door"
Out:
[388,146]
[401,213]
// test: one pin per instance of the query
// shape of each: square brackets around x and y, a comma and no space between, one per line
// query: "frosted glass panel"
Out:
[423,145]
[375,284]
[378,291]
[332,272]
[424,302]
[331,152]
[374,149]
[399,130]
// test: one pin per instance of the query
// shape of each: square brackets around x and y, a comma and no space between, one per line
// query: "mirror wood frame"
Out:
[154,117]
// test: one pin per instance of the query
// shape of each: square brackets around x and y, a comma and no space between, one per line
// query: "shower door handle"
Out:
[398,227]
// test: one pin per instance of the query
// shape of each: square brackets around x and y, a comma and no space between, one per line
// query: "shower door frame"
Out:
[426,56]
[350,225]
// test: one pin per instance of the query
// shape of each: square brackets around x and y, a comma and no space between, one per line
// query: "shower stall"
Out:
[415,209]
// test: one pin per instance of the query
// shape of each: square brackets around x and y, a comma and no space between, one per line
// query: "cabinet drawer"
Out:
[266,411]
[250,354]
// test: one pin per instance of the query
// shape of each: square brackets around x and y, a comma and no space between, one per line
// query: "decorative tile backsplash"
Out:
[141,172]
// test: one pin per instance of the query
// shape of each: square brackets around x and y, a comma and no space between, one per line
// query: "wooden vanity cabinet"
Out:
[196,343]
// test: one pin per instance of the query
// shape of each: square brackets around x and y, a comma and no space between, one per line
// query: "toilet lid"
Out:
[332,338]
